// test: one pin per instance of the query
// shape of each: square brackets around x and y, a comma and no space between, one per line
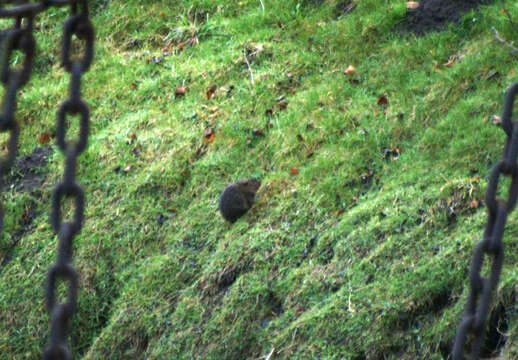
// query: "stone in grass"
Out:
[237,198]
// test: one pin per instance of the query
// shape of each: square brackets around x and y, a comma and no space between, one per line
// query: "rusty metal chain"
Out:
[20,37]
[77,24]
[17,38]
[481,288]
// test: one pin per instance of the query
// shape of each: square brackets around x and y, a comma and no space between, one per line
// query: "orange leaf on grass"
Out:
[208,135]
[450,62]
[44,138]
[382,100]
[350,70]
[180,90]
[211,92]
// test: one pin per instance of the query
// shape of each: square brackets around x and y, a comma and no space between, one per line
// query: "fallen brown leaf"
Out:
[180,90]
[181,45]
[450,62]
[294,170]
[300,310]
[350,70]
[412,5]
[44,138]
[208,135]
[382,100]
[211,92]
[282,105]
[258,132]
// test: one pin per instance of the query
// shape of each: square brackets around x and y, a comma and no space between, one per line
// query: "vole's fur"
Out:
[237,198]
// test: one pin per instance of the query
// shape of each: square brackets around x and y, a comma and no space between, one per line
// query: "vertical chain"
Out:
[18,37]
[481,288]
[80,26]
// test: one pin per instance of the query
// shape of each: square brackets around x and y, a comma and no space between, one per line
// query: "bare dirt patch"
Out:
[435,15]
[29,172]
[344,8]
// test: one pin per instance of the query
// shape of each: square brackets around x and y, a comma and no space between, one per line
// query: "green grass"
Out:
[387,275]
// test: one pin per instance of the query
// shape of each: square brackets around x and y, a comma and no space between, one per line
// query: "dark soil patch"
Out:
[434,15]
[496,336]
[29,172]
[344,8]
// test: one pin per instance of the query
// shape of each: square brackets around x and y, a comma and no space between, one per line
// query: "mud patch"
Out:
[28,172]
[435,15]
[344,8]
[497,333]
[227,278]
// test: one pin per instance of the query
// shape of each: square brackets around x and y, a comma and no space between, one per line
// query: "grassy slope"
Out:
[387,276]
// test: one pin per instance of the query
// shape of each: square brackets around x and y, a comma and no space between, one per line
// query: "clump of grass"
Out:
[359,242]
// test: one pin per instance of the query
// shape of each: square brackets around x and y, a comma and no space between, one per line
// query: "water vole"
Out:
[237,198]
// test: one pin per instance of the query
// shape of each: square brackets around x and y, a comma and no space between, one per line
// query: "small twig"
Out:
[262,5]
[267,357]
[502,41]
[249,68]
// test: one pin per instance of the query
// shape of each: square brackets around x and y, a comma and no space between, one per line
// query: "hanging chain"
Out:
[481,288]
[20,37]
[77,24]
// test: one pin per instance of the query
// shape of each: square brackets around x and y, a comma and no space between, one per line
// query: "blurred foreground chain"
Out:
[77,24]
[481,288]
[20,37]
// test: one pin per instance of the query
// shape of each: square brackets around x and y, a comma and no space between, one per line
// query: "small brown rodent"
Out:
[237,198]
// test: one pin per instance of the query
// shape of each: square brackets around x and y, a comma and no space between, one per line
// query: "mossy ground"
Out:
[363,254]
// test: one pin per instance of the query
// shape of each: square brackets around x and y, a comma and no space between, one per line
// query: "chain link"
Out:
[20,37]
[481,288]
[77,24]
